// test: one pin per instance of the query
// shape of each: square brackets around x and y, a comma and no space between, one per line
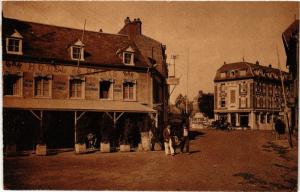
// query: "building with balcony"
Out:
[249,95]
[60,84]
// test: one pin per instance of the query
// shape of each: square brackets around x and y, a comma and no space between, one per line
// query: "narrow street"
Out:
[219,160]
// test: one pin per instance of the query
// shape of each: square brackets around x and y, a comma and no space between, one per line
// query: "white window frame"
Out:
[131,58]
[49,77]
[134,90]
[79,45]
[130,51]
[111,90]
[20,82]
[81,52]
[82,87]
[16,36]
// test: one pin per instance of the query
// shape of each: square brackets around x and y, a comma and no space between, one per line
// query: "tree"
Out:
[185,109]
[206,104]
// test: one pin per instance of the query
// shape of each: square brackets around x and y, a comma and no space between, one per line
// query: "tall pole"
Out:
[78,61]
[187,82]
[285,102]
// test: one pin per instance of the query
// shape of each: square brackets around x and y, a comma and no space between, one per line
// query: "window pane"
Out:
[11,85]
[127,58]
[131,91]
[125,91]
[105,89]
[232,96]
[46,87]
[76,52]
[75,88]
[38,86]
[13,45]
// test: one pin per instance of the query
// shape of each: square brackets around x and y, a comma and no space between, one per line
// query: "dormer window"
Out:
[223,75]
[77,51]
[242,72]
[232,73]
[14,43]
[128,56]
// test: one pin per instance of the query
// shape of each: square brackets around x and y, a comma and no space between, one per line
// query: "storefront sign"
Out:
[172,81]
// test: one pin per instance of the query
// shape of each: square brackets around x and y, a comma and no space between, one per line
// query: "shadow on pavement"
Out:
[280,150]
[251,179]
[194,134]
[197,151]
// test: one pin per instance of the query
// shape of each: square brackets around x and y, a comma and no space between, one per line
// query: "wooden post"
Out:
[41,147]
[79,147]
[75,127]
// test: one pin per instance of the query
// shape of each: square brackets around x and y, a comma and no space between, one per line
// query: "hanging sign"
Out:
[173,81]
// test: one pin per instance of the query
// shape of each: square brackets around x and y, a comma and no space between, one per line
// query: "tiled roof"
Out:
[251,71]
[152,50]
[145,45]
[42,41]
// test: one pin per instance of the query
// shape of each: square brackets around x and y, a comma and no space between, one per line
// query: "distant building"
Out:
[249,95]
[290,39]
[58,86]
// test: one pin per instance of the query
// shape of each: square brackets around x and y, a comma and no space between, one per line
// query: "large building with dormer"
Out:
[249,95]
[59,84]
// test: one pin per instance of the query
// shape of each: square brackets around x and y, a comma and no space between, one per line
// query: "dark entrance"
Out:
[233,119]
[20,128]
[244,120]
[59,127]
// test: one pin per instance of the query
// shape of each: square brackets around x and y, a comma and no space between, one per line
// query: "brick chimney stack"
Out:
[131,28]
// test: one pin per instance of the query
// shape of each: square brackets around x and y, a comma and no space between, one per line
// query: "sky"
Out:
[203,35]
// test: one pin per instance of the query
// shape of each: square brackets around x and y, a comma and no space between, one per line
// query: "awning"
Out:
[75,105]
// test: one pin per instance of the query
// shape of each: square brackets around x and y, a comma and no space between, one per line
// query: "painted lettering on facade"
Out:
[117,88]
[60,85]
[91,86]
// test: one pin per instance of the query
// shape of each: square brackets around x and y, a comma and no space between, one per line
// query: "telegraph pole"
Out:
[187,82]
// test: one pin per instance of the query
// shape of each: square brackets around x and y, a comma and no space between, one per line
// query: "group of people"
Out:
[170,140]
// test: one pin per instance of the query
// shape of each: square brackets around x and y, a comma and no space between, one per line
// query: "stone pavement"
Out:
[219,160]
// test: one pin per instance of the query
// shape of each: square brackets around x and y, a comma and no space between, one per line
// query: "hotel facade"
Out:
[249,95]
[60,84]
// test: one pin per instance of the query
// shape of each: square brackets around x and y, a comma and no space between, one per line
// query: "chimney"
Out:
[257,62]
[100,30]
[132,28]
[138,26]
[127,20]
[270,65]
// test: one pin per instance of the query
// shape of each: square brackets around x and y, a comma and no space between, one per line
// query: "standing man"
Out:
[185,140]
[168,141]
